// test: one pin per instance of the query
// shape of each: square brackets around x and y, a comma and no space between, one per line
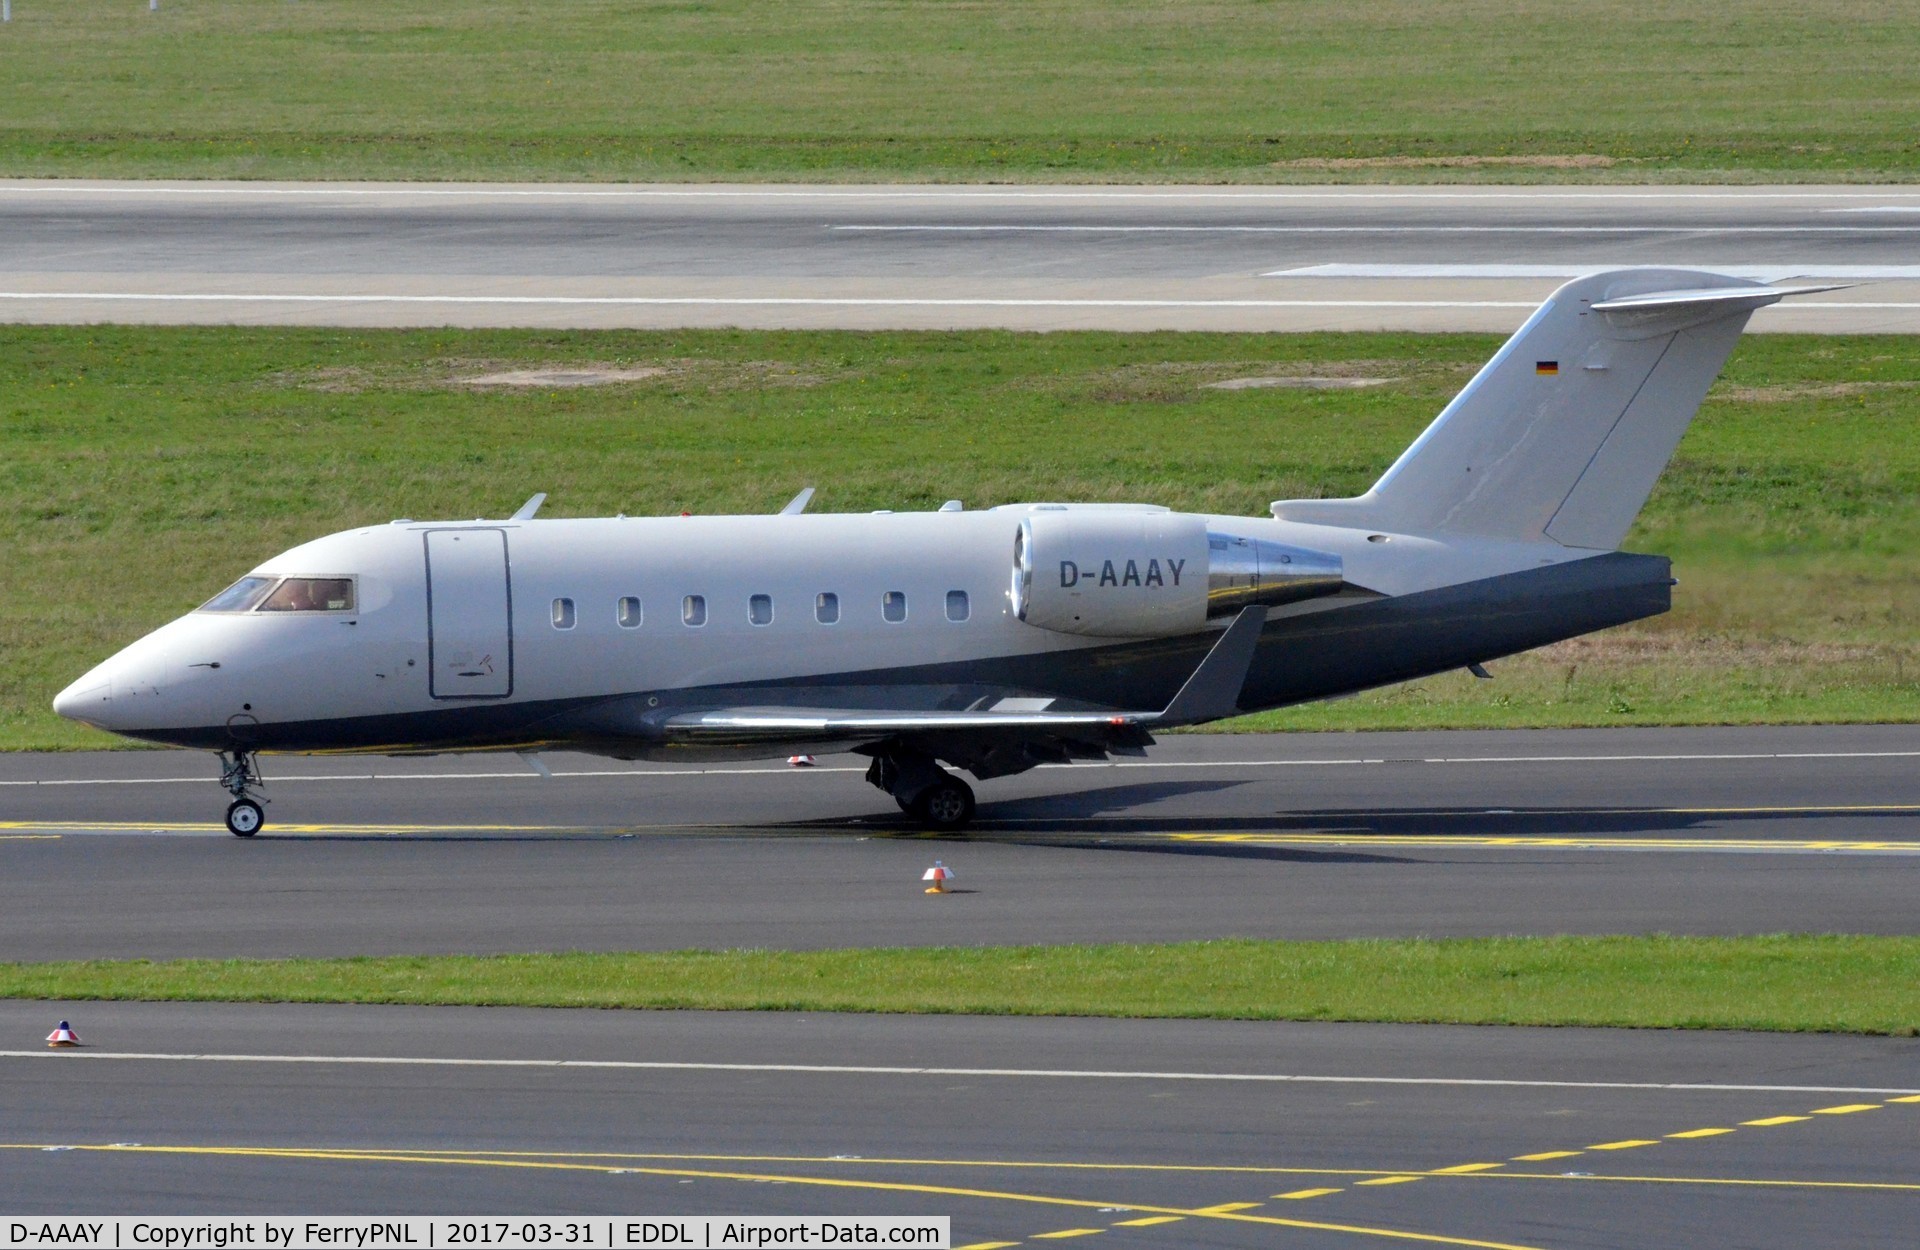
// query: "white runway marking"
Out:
[1757,273]
[782,771]
[803,302]
[1044,228]
[747,301]
[865,1070]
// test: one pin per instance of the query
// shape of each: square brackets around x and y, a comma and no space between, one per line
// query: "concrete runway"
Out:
[1146,1133]
[1223,258]
[1294,836]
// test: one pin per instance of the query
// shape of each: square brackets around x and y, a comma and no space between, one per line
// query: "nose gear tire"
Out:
[244,818]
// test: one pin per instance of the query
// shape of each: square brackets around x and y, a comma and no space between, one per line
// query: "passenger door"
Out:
[469,614]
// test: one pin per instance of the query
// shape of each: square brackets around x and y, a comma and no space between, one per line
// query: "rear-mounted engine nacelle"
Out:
[1125,574]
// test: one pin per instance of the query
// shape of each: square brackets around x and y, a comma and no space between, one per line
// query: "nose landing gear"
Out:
[238,774]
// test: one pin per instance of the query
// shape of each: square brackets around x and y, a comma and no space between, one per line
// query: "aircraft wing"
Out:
[1210,693]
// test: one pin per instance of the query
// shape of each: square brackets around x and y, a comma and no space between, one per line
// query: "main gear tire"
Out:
[946,805]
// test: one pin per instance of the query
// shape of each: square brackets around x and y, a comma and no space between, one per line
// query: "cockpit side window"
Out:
[242,596]
[311,594]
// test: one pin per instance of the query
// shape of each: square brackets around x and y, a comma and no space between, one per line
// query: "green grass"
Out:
[1100,90]
[145,468]
[1782,983]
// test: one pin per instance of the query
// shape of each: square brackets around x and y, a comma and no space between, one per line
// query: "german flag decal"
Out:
[1546,366]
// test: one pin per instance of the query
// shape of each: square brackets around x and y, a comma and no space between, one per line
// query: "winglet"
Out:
[1214,689]
[530,507]
[798,503]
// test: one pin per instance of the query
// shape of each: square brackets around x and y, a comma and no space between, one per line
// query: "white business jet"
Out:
[991,641]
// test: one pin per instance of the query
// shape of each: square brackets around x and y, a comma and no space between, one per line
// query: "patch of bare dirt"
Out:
[1174,381]
[1298,383]
[562,377]
[464,373]
[1715,651]
[1580,160]
[1808,390]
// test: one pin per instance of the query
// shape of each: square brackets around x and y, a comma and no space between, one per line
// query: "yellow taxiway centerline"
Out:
[162,826]
[429,1157]
[1527,842]
[1733,1181]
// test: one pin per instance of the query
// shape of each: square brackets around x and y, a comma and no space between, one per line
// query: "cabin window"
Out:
[693,610]
[629,613]
[311,594]
[826,607]
[563,614]
[894,606]
[760,609]
[239,597]
[957,606]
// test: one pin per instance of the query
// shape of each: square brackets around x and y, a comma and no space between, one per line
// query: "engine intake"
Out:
[1131,574]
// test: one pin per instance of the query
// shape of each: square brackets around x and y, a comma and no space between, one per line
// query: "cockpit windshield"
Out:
[311,594]
[242,596]
[284,594]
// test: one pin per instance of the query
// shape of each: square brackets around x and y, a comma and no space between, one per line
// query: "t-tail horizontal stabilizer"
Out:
[1561,436]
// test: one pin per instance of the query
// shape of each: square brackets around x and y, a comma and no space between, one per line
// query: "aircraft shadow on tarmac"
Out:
[1082,813]
[1079,821]
[1095,818]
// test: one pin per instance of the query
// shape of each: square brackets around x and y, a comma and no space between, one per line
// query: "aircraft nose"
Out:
[89,699]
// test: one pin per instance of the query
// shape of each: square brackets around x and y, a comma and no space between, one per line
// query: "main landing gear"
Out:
[924,790]
[245,815]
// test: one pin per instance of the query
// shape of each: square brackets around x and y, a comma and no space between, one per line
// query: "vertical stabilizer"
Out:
[1563,433]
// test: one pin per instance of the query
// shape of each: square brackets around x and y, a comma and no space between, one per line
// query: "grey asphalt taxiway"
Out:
[1024,1131]
[878,257]
[1296,836]
[1143,1133]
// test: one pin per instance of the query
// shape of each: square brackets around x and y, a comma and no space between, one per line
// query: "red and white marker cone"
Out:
[63,1036]
[939,874]
[801,761]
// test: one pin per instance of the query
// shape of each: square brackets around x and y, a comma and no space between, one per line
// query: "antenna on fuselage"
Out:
[798,503]
[530,507]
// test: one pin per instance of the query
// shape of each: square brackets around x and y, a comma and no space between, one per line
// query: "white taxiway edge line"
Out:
[757,301]
[1050,228]
[640,301]
[788,771]
[861,1070]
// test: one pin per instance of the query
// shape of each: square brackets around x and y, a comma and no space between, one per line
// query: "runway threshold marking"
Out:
[435,1158]
[645,1065]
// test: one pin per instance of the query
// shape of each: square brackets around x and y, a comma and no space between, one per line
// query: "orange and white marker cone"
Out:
[63,1036]
[939,874]
[800,761]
